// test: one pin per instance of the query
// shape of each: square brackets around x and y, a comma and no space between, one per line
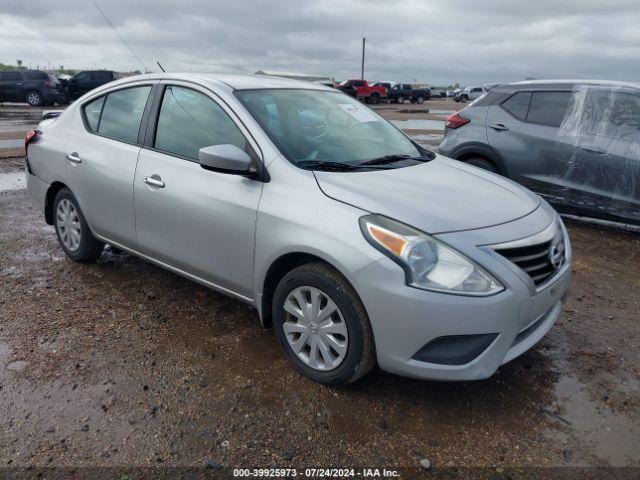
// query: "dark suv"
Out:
[86,81]
[35,87]
[576,143]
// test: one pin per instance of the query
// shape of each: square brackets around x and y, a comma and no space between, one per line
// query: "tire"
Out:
[464,99]
[80,246]
[400,99]
[34,98]
[350,317]
[374,98]
[420,99]
[483,163]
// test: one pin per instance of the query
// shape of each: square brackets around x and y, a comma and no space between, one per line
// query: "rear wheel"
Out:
[420,99]
[34,98]
[322,326]
[72,229]
[483,163]
[400,99]
[464,98]
[374,98]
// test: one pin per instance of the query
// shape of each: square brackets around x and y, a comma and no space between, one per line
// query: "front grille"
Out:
[540,261]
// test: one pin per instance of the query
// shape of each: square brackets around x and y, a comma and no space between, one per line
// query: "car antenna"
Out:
[119,35]
[160,66]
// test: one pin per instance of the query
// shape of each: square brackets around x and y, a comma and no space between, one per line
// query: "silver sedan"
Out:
[357,245]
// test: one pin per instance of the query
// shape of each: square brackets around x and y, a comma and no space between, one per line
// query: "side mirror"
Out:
[228,158]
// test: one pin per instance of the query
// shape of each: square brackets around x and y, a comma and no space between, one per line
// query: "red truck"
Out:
[364,91]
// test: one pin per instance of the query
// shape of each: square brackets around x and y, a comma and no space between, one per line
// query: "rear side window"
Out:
[11,77]
[122,113]
[517,105]
[548,108]
[92,113]
[35,75]
[101,76]
[190,120]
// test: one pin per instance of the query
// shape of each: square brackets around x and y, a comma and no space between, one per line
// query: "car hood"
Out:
[439,196]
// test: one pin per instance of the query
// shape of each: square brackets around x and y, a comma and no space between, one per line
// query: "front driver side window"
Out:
[190,120]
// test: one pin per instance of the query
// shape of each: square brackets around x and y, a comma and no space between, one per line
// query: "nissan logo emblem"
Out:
[556,255]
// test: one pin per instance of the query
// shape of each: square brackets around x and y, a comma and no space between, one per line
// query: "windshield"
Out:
[315,126]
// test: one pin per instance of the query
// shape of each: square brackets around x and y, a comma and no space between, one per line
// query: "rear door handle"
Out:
[154,180]
[598,150]
[499,127]
[74,157]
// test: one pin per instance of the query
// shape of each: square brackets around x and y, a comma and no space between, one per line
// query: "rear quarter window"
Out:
[517,105]
[92,113]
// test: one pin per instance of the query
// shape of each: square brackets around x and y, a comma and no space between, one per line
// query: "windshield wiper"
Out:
[326,165]
[391,159]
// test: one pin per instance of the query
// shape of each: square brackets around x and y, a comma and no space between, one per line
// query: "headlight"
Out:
[428,263]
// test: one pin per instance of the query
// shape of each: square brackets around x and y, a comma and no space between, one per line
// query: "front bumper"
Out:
[404,319]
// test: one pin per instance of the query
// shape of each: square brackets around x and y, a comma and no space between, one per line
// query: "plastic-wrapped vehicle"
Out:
[576,143]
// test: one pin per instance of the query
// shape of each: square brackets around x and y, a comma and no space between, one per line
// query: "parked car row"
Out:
[39,88]
[385,91]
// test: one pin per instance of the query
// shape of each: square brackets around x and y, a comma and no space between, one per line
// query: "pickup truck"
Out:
[365,92]
[401,92]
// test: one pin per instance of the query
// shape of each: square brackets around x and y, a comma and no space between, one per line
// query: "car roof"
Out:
[564,84]
[225,81]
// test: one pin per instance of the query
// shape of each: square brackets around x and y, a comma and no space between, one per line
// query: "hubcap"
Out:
[33,98]
[315,328]
[68,223]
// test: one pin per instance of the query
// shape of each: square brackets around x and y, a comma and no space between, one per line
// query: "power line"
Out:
[119,36]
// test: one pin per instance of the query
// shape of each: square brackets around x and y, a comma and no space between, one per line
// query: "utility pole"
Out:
[364,40]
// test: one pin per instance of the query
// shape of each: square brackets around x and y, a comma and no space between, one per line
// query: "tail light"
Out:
[31,134]
[456,120]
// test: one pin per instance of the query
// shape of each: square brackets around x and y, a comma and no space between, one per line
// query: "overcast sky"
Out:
[433,41]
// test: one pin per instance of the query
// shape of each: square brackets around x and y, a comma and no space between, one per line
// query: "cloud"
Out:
[440,41]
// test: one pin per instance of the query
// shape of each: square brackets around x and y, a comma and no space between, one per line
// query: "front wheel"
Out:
[374,98]
[322,326]
[420,99]
[72,229]
[400,99]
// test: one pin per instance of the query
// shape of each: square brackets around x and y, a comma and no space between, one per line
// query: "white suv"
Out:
[469,93]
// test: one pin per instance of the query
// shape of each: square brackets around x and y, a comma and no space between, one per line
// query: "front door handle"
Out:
[499,127]
[74,157]
[154,180]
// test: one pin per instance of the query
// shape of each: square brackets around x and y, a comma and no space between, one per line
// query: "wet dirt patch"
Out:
[12,181]
[132,365]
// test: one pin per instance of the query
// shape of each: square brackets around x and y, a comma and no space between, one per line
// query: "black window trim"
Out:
[143,121]
[154,113]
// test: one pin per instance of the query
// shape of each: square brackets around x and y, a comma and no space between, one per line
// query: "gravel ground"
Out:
[121,364]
